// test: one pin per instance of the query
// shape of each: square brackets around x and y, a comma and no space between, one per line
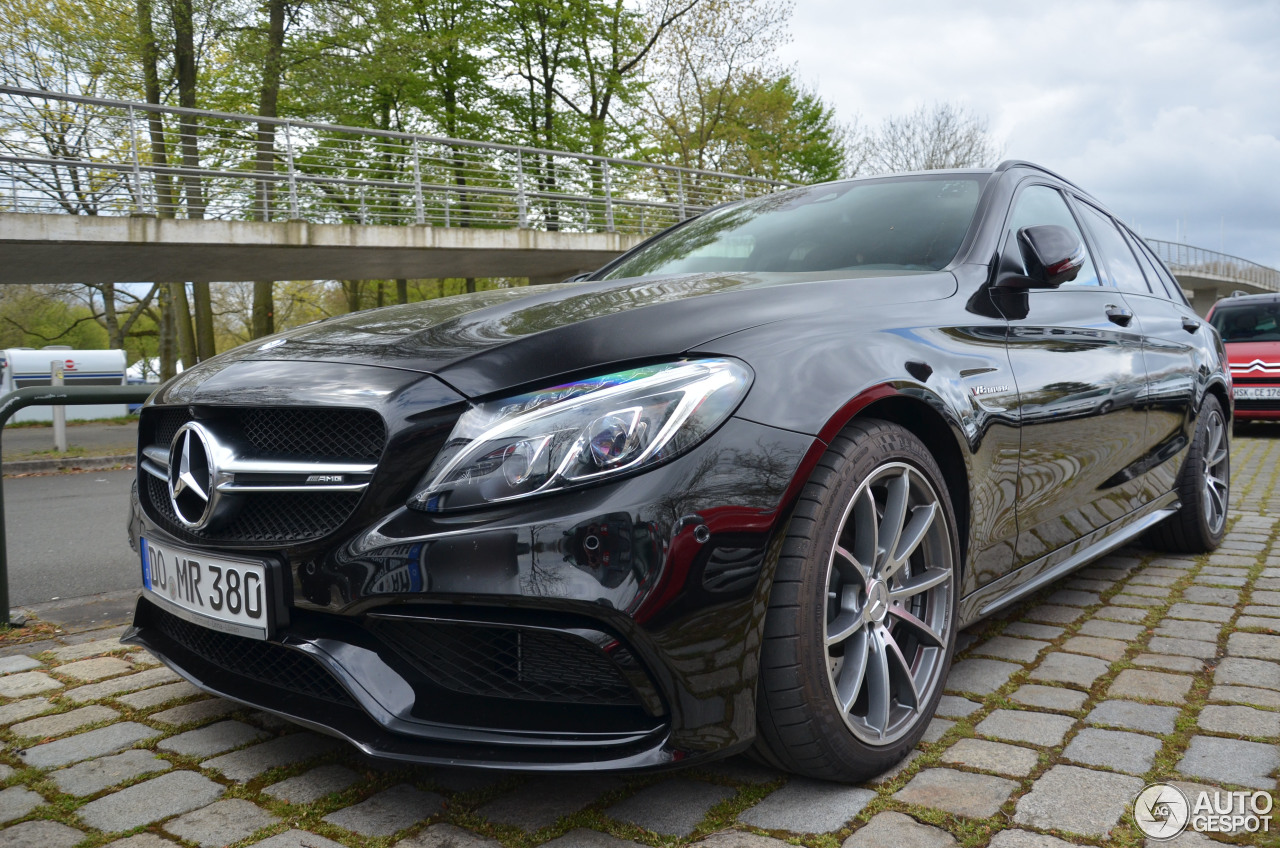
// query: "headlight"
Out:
[581,432]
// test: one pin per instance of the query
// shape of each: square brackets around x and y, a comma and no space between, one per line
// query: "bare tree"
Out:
[943,135]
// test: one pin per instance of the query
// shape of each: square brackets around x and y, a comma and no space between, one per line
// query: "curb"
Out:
[76,463]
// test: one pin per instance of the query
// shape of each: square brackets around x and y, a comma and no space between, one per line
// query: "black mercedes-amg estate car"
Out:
[736,490]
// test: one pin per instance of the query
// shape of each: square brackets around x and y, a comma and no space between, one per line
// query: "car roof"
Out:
[1245,299]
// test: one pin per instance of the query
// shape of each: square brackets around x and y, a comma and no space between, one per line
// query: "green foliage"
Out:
[32,316]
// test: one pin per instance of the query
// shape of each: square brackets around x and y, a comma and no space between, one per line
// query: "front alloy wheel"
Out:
[1203,488]
[861,622]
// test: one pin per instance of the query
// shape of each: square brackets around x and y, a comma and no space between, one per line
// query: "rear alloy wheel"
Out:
[1204,488]
[860,630]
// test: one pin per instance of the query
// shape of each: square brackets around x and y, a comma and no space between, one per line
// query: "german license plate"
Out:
[1256,392]
[223,593]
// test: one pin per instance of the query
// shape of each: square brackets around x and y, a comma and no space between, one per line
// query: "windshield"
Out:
[1256,322]
[895,224]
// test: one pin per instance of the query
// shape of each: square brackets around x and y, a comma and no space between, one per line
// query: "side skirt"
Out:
[1036,575]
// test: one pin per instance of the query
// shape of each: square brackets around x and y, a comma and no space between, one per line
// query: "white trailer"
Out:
[23,367]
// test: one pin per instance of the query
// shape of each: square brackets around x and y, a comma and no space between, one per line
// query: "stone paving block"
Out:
[195,711]
[1169,662]
[27,683]
[1182,647]
[95,648]
[212,739]
[87,745]
[672,807]
[1212,596]
[899,831]
[1256,645]
[1266,612]
[468,779]
[1131,600]
[1049,697]
[1246,695]
[221,822]
[248,763]
[963,793]
[387,812]
[1232,581]
[17,801]
[953,706]
[1247,672]
[1110,630]
[167,795]
[1070,668]
[541,802]
[142,840]
[159,695]
[117,685]
[1147,591]
[1014,838]
[1201,631]
[1098,572]
[6,771]
[1231,761]
[742,769]
[93,776]
[982,677]
[1150,685]
[1271,599]
[1256,622]
[737,839]
[87,671]
[1092,646]
[1023,726]
[808,806]
[297,839]
[1073,598]
[1077,800]
[313,785]
[1054,614]
[888,775]
[18,662]
[19,710]
[56,725]
[451,836]
[1239,721]
[1134,716]
[39,834]
[1119,750]
[992,756]
[1087,585]
[1200,612]
[1131,615]
[1009,648]
[1267,582]
[937,728]
[1031,630]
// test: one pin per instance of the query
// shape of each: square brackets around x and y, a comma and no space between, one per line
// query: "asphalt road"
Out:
[66,535]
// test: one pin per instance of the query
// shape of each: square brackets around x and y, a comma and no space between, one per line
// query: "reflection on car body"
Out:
[737,489]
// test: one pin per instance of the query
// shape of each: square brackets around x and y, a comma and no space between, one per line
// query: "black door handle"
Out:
[1190,324]
[1119,315]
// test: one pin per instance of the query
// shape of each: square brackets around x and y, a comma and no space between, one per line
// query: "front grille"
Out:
[265,662]
[300,433]
[508,662]
[1267,380]
[1249,405]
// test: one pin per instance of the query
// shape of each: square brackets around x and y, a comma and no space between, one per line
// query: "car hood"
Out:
[491,341]
[1244,354]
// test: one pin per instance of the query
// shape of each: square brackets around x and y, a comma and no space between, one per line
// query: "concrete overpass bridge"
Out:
[97,190]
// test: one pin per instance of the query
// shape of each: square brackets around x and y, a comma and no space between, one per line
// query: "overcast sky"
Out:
[1168,112]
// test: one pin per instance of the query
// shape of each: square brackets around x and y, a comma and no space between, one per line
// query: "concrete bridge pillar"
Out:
[1203,299]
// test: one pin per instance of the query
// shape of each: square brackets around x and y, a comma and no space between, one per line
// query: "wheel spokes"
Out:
[845,625]
[878,695]
[853,671]
[922,582]
[908,695]
[897,492]
[926,633]
[911,537]
[849,566]
[866,530]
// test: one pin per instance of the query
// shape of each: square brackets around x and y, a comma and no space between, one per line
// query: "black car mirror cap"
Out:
[1053,255]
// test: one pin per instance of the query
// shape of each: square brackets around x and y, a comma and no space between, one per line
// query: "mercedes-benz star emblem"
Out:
[191,475]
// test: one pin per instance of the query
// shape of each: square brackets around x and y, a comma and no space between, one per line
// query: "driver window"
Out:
[1038,205]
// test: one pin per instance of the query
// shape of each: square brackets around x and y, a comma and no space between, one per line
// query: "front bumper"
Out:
[652,590]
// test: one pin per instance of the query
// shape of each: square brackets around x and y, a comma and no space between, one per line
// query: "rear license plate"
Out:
[223,593]
[1256,392]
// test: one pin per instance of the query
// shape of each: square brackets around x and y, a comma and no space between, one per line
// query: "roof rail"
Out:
[1022,163]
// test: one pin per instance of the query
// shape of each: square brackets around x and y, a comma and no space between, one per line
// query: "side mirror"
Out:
[1053,255]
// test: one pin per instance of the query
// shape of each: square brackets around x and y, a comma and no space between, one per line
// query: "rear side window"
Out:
[1037,205]
[1162,274]
[1124,268]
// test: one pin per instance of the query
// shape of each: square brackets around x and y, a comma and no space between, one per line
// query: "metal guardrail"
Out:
[11,403]
[62,153]
[1184,257]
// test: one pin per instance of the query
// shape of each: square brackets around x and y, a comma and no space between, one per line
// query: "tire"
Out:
[855,658]
[1204,488]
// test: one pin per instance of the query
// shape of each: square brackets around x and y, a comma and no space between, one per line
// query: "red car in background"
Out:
[1250,329]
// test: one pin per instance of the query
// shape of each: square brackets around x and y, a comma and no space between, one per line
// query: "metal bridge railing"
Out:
[62,153]
[1185,258]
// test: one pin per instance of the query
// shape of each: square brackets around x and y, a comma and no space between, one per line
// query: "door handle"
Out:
[1119,315]
[1190,324]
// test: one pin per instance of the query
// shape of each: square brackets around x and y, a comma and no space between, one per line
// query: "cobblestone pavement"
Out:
[1139,668]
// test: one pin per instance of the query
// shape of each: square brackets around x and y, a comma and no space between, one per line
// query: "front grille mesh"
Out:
[508,662]
[273,518]
[1250,405]
[265,662]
